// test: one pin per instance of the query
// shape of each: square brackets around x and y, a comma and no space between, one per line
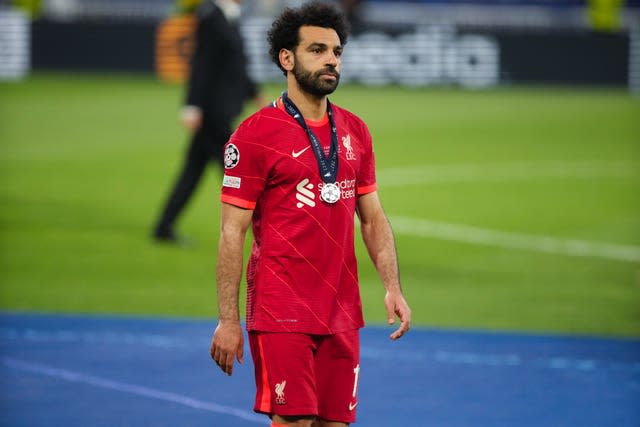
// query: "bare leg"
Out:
[293,421]
[325,423]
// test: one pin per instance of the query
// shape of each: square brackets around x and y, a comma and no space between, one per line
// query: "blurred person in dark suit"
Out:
[352,11]
[217,89]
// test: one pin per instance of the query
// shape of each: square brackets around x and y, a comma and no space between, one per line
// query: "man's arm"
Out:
[228,342]
[378,238]
[208,50]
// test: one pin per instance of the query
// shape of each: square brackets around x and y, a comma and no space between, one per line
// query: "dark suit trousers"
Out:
[206,145]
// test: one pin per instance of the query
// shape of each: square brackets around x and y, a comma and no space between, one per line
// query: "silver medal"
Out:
[330,192]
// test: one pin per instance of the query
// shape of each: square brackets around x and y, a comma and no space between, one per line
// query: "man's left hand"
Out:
[396,305]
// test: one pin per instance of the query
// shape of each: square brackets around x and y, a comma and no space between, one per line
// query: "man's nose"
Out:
[332,59]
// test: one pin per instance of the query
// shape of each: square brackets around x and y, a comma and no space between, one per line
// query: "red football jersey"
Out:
[302,275]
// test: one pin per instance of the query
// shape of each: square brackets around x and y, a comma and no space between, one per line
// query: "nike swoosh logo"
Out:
[352,406]
[297,154]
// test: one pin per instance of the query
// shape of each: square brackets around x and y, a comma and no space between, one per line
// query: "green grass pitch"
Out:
[86,161]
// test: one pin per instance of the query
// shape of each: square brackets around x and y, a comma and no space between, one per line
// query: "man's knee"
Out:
[283,421]
[324,423]
[286,421]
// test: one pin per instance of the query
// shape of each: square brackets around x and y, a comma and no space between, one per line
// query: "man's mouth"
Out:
[330,74]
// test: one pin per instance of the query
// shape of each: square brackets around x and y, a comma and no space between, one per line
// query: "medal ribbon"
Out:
[328,166]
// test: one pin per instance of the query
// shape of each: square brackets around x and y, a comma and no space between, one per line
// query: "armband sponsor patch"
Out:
[231,181]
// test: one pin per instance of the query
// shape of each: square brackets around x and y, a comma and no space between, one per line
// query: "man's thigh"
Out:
[307,375]
[337,368]
[284,373]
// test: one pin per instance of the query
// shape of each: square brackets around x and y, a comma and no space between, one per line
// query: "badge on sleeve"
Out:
[231,156]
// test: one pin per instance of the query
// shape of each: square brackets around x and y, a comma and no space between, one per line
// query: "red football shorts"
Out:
[300,374]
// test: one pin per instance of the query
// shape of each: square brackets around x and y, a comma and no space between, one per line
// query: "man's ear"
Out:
[287,59]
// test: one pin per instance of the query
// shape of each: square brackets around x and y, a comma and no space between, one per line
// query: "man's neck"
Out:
[312,107]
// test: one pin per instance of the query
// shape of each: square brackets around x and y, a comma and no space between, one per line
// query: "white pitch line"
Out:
[477,172]
[180,399]
[504,239]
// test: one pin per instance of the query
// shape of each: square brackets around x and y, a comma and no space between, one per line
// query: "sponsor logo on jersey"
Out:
[347,188]
[231,181]
[346,141]
[296,154]
[280,393]
[304,195]
[231,156]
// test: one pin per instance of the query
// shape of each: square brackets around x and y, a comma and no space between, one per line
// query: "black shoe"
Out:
[171,238]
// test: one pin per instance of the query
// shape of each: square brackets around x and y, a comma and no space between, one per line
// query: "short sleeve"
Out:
[367,173]
[245,172]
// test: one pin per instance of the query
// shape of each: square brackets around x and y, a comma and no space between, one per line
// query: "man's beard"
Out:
[314,83]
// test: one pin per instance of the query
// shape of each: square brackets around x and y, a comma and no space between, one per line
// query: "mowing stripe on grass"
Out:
[481,172]
[180,399]
[504,239]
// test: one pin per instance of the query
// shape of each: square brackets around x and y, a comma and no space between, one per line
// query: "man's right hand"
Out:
[191,117]
[227,343]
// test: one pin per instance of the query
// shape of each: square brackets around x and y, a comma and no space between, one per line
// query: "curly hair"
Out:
[284,32]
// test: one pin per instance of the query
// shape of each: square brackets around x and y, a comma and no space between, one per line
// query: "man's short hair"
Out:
[285,30]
